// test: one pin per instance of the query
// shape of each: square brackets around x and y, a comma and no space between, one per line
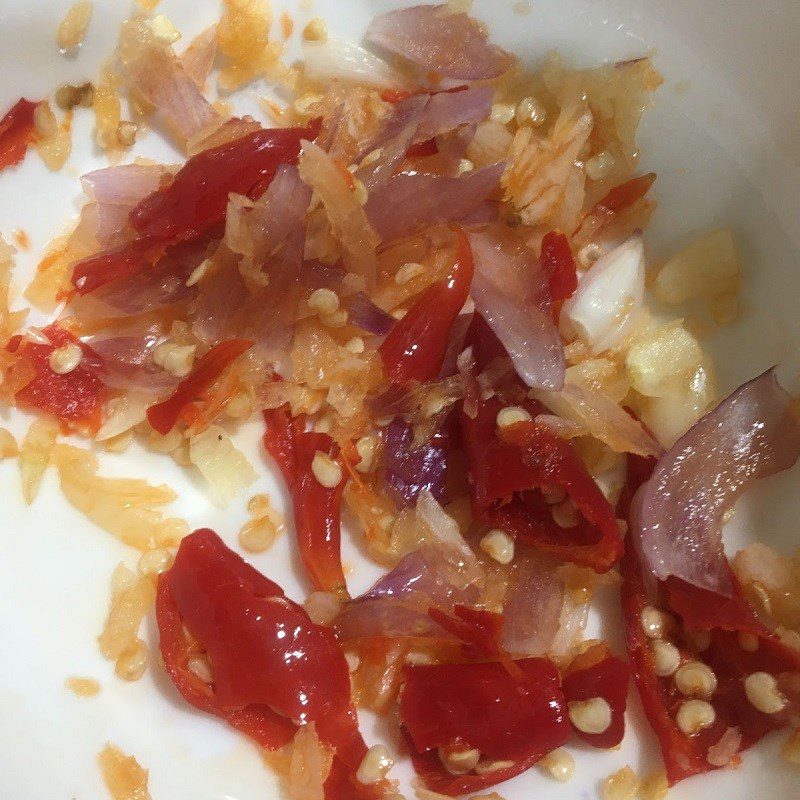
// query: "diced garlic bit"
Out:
[323,301]
[695,679]
[654,786]
[622,785]
[599,166]
[565,514]
[83,687]
[353,661]
[376,763]
[72,30]
[44,121]
[366,447]
[511,415]
[530,110]
[199,665]
[498,545]
[164,30]
[316,31]
[708,267]
[198,273]
[791,749]
[748,642]
[590,716]
[65,359]
[154,562]
[8,444]
[408,272]
[132,662]
[177,359]
[694,715]
[327,471]
[123,776]
[654,622]
[459,762]
[322,607]
[464,165]
[221,463]
[355,345]
[559,765]
[666,658]
[361,191]
[502,113]
[126,133]
[415,658]
[762,691]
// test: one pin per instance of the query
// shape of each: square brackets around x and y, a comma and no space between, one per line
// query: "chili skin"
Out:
[559,264]
[416,346]
[481,706]
[164,416]
[16,132]
[598,673]
[722,619]
[317,509]
[273,668]
[509,467]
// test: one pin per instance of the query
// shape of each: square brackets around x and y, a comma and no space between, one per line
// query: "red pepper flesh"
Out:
[16,132]
[416,346]
[481,706]
[598,673]
[626,194]
[509,468]
[164,415]
[558,263]
[317,508]
[273,668]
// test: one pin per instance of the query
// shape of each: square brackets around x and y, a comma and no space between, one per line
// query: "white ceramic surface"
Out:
[724,141]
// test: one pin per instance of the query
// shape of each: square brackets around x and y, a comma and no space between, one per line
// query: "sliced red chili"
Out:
[598,673]
[122,262]
[273,668]
[416,346]
[423,149]
[164,415]
[75,398]
[559,265]
[198,196]
[626,194]
[508,469]
[722,621]
[395,95]
[16,132]
[481,706]
[317,508]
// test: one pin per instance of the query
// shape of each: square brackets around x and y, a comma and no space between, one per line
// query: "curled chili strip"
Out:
[16,132]
[317,508]
[272,668]
[163,416]
[416,346]
[508,470]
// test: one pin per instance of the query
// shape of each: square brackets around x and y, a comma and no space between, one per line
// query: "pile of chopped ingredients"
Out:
[427,273]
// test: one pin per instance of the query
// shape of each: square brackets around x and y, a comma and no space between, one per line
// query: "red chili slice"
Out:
[16,132]
[559,265]
[317,508]
[123,262]
[723,620]
[164,415]
[509,468]
[482,707]
[598,673]
[75,398]
[416,346]
[626,194]
[198,196]
[273,668]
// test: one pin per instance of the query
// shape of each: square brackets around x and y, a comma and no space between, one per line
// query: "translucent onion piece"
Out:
[337,59]
[454,45]
[608,296]
[677,516]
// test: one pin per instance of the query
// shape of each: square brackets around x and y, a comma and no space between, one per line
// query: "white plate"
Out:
[724,141]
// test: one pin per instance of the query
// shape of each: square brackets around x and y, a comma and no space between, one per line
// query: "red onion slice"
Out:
[677,515]
[511,293]
[367,316]
[410,202]
[454,45]
[448,110]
